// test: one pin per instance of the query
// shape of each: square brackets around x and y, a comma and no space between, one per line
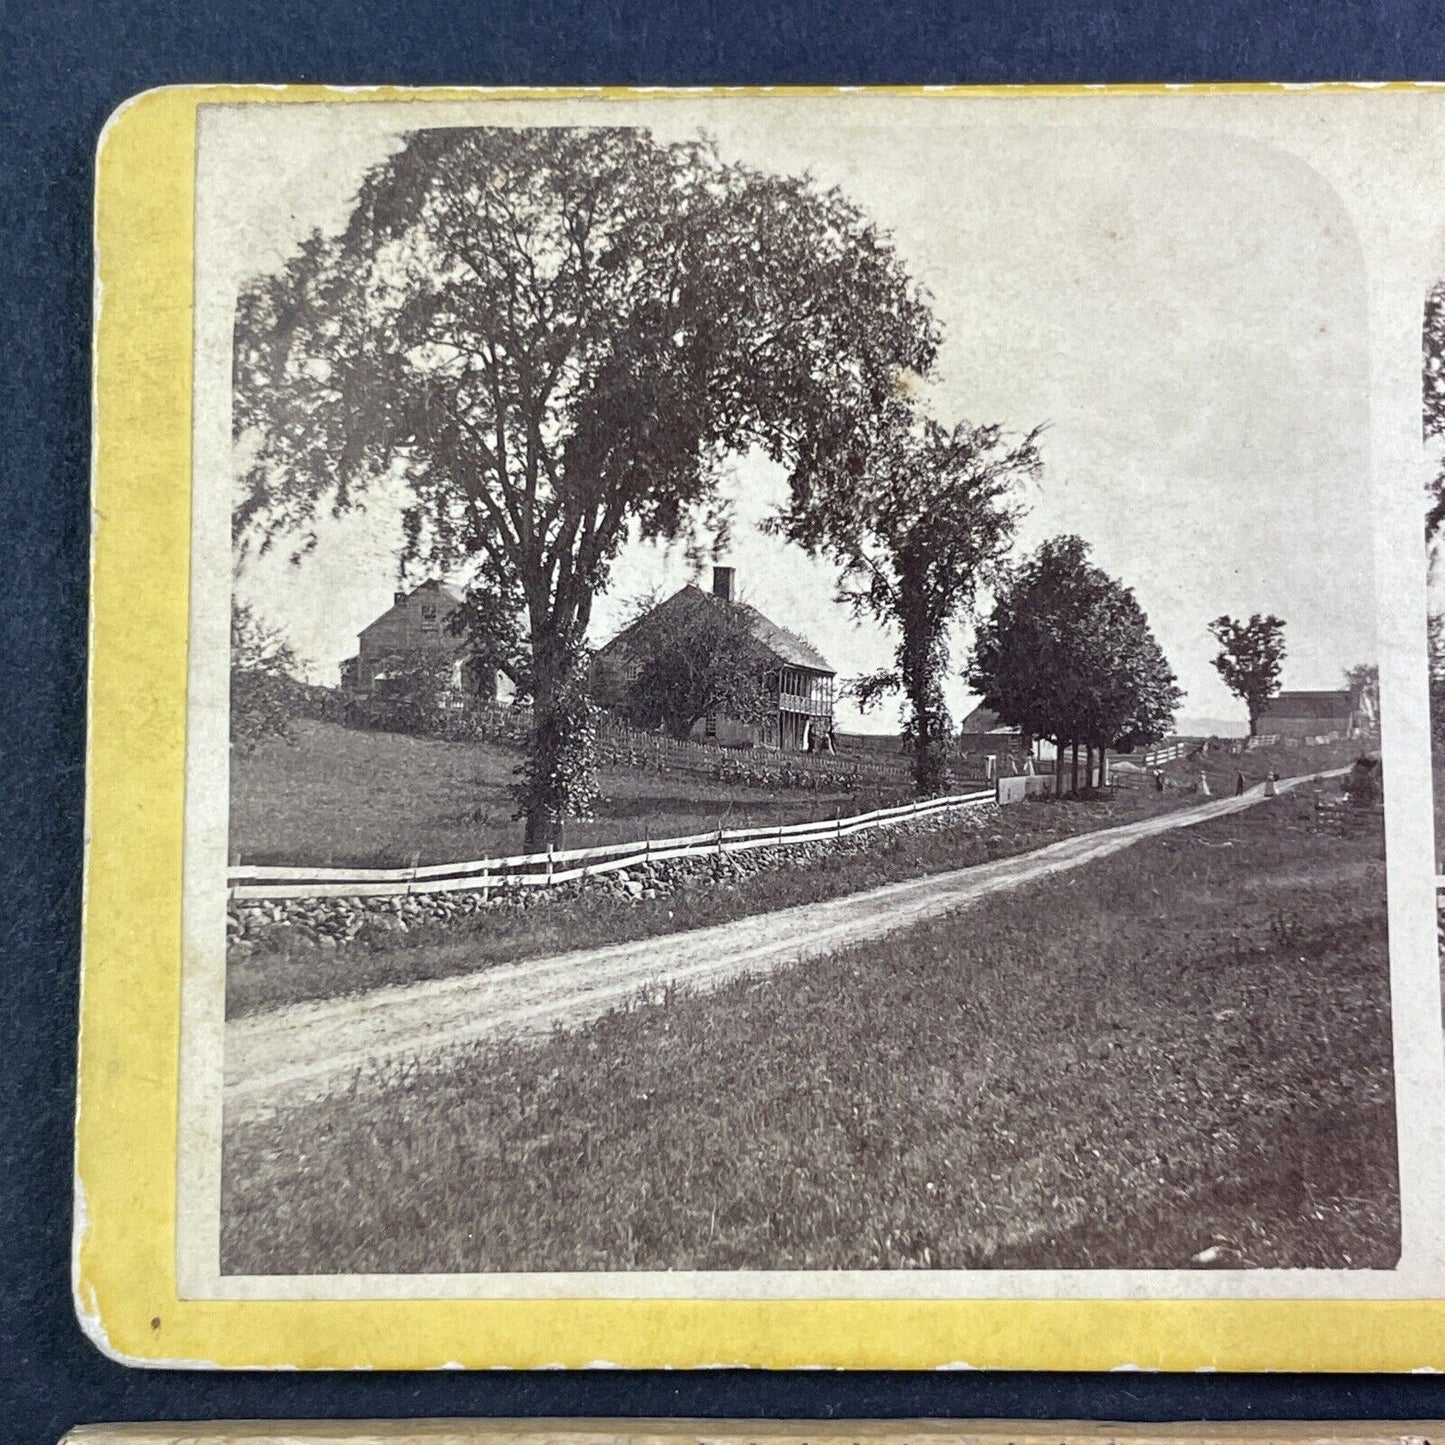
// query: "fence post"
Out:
[549,865]
[719,840]
[837,823]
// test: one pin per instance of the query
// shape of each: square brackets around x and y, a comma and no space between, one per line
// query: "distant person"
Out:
[1158,780]
[1202,786]
[1239,786]
[1270,790]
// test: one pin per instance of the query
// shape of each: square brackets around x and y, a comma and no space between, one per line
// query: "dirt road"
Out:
[308,1050]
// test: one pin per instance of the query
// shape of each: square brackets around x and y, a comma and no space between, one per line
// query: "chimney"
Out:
[398,599]
[722,582]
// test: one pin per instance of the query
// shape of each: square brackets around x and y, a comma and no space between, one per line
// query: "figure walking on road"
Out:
[1239,786]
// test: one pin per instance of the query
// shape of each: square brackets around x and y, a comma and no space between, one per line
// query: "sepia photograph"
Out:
[803,694]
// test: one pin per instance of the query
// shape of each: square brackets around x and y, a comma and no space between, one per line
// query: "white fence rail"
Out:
[563,865]
[1165,752]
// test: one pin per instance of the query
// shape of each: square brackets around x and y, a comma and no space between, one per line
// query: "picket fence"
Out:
[531,870]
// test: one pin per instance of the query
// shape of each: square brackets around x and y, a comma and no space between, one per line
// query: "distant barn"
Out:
[1310,715]
[799,680]
[982,734]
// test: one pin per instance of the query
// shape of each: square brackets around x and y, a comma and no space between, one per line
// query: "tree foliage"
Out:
[264,687]
[1250,657]
[491,619]
[1067,654]
[1433,402]
[695,656]
[550,336]
[1437,688]
[411,693]
[917,518]
[1363,681]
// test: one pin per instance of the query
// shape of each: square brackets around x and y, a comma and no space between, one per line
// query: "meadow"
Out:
[1175,1057]
[338,796]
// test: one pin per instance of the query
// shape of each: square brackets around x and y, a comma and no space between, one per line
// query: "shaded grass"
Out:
[339,796]
[720,890]
[1181,1050]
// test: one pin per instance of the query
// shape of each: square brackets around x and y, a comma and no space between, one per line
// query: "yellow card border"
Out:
[126,1122]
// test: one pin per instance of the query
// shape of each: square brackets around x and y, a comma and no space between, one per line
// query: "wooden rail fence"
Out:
[531,870]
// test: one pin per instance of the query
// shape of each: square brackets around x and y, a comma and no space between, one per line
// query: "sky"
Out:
[1184,312]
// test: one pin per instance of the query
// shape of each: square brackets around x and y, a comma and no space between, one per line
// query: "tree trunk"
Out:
[559,776]
[1058,767]
[1089,768]
[918,659]
[1103,767]
[1074,773]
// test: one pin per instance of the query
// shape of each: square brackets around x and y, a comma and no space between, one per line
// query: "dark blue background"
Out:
[63,68]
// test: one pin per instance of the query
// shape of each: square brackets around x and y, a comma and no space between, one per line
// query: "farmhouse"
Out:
[1312,715]
[797,677]
[416,624]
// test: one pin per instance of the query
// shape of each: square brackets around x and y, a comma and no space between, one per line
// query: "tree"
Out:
[410,694]
[1067,654]
[1433,399]
[694,656]
[1251,654]
[264,686]
[1363,681]
[1437,688]
[554,335]
[491,620]
[917,518]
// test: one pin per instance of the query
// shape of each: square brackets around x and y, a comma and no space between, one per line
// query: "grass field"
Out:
[1178,1055]
[343,796]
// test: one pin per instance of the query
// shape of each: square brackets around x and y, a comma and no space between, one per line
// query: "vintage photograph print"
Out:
[793,697]
[797,705]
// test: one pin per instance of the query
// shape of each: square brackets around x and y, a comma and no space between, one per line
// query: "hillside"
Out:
[342,796]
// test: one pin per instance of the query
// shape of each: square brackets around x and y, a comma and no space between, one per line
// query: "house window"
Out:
[428,617]
[711,725]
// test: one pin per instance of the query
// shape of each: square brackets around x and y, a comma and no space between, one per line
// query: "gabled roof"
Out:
[447,589]
[452,593]
[985,720]
[1309,704]
[787,647]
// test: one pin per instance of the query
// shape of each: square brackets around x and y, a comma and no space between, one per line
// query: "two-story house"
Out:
[417,622]
[799,680]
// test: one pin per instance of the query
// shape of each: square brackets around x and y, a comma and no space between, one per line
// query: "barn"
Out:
[982,734]
[1309,716]
[799,680]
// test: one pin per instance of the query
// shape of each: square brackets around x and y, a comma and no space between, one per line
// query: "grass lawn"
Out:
[1179,1051]
[343,796]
